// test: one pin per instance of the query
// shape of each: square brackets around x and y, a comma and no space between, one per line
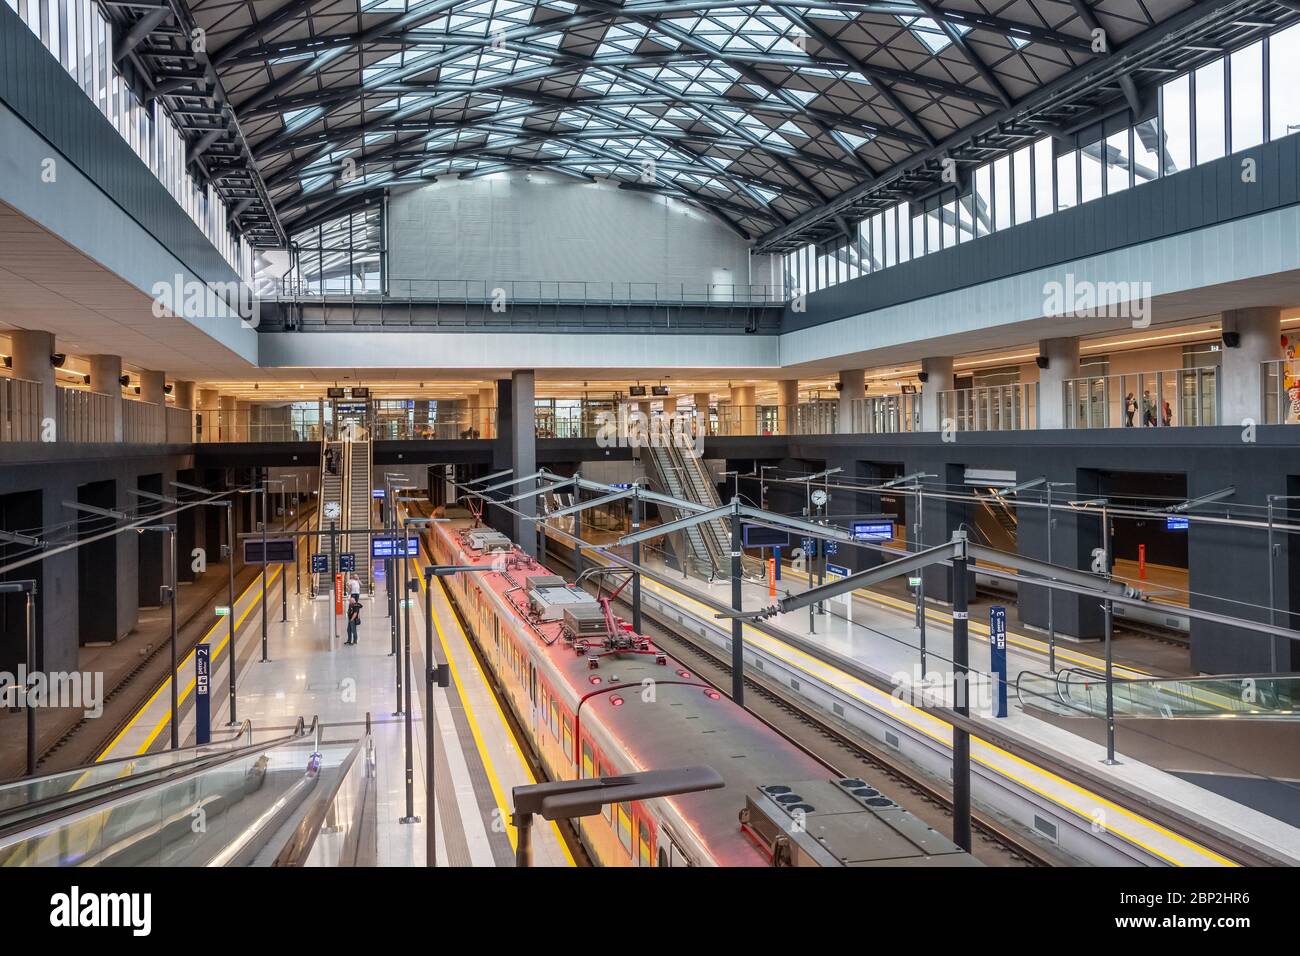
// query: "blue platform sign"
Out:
[320,564]
[202,694]
[830,548]
[347,562]
[809,546]
[1176,523]
[873,530]
[998,657]
[383,548]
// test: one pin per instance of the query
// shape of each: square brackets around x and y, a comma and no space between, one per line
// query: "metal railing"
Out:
[1162,399]
[85,416]
[180,425]
[143,423]
[884,414]
[256,425]
[573,291]
[471,423]
[989,408]
[1280,385]
[20,410]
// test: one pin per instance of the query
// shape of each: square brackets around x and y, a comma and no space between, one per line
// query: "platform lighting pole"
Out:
[737,626]
[920,579]
[636,559]
[233,658]
[229,547]
[408,587]
[170,531]
[28,589]
[435,675]
[577,527]
[1108,611]
[297,537]
[961,826]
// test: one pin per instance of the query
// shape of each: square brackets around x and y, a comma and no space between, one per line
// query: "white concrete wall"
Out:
[538,226]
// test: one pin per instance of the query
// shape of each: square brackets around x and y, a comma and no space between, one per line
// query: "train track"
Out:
[846,753]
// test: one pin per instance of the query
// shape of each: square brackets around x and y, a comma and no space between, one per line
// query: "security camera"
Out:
[1041,361]
[923,377]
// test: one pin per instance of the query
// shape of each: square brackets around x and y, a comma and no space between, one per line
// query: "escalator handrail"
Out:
[299,846]
[102,799]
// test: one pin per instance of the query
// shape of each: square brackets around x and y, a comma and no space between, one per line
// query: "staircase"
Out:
[359,507]
[331,489]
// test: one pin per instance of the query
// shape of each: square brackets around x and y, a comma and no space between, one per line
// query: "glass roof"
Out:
[759,112]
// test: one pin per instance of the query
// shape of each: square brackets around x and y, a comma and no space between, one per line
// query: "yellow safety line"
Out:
[498,793]
[256,584]
[1102,802]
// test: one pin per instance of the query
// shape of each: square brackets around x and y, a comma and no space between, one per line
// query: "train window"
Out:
[663,857]
[568,741]
[625,827]
[555,719]
[588,760]
[643,855]
[606,810]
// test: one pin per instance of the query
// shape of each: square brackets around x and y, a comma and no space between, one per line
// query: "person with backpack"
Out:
[354,619]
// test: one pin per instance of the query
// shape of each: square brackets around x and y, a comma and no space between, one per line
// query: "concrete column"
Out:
[152,390]
[743,416]
[207,415]
[939,379]
[523,452]
[787,402]
[670,406]
[183,392]
[105,375]
[229,412]
[32,351]
[1239,381]
[853,388]
[1062,363]
[487,397]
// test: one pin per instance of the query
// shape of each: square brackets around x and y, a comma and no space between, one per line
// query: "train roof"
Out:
[665,716]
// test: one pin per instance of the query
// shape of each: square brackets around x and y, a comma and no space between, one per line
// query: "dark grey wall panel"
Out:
[37,88]
[1194,199]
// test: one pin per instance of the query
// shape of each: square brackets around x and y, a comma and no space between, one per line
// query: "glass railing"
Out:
[1162,399]
[509,291]
[885,414]
[35,796]
[1280,384]
[1081,693]
[20,410]
[1011,407]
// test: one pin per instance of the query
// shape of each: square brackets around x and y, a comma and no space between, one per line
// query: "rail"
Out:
[143,423]
[989,408]
[85,416]
[20,410]
[1168,398]
[531,291]
[1280,385]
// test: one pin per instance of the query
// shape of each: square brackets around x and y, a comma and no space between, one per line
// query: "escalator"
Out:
[232,804]
[331,493]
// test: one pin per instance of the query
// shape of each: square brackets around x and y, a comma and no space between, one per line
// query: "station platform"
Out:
[118,662]
[477,758]
[876,634]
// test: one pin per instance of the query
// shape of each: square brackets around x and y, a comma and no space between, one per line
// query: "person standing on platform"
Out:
[354,588]
[354,619]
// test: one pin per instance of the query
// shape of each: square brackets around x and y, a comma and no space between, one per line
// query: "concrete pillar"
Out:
[207,415]
[787,401]
[1062,364]
[938,372]
[487,397]
[105,375]
[183,392]
[743,417]
[523,452]
[153,391]
[853,388]
[1259,331]
[32,351]
[670,406]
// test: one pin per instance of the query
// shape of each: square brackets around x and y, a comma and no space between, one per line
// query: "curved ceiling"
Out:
[783,118]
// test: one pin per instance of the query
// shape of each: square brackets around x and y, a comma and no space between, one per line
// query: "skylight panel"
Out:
[930,33]
[296,119]
[370,6]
